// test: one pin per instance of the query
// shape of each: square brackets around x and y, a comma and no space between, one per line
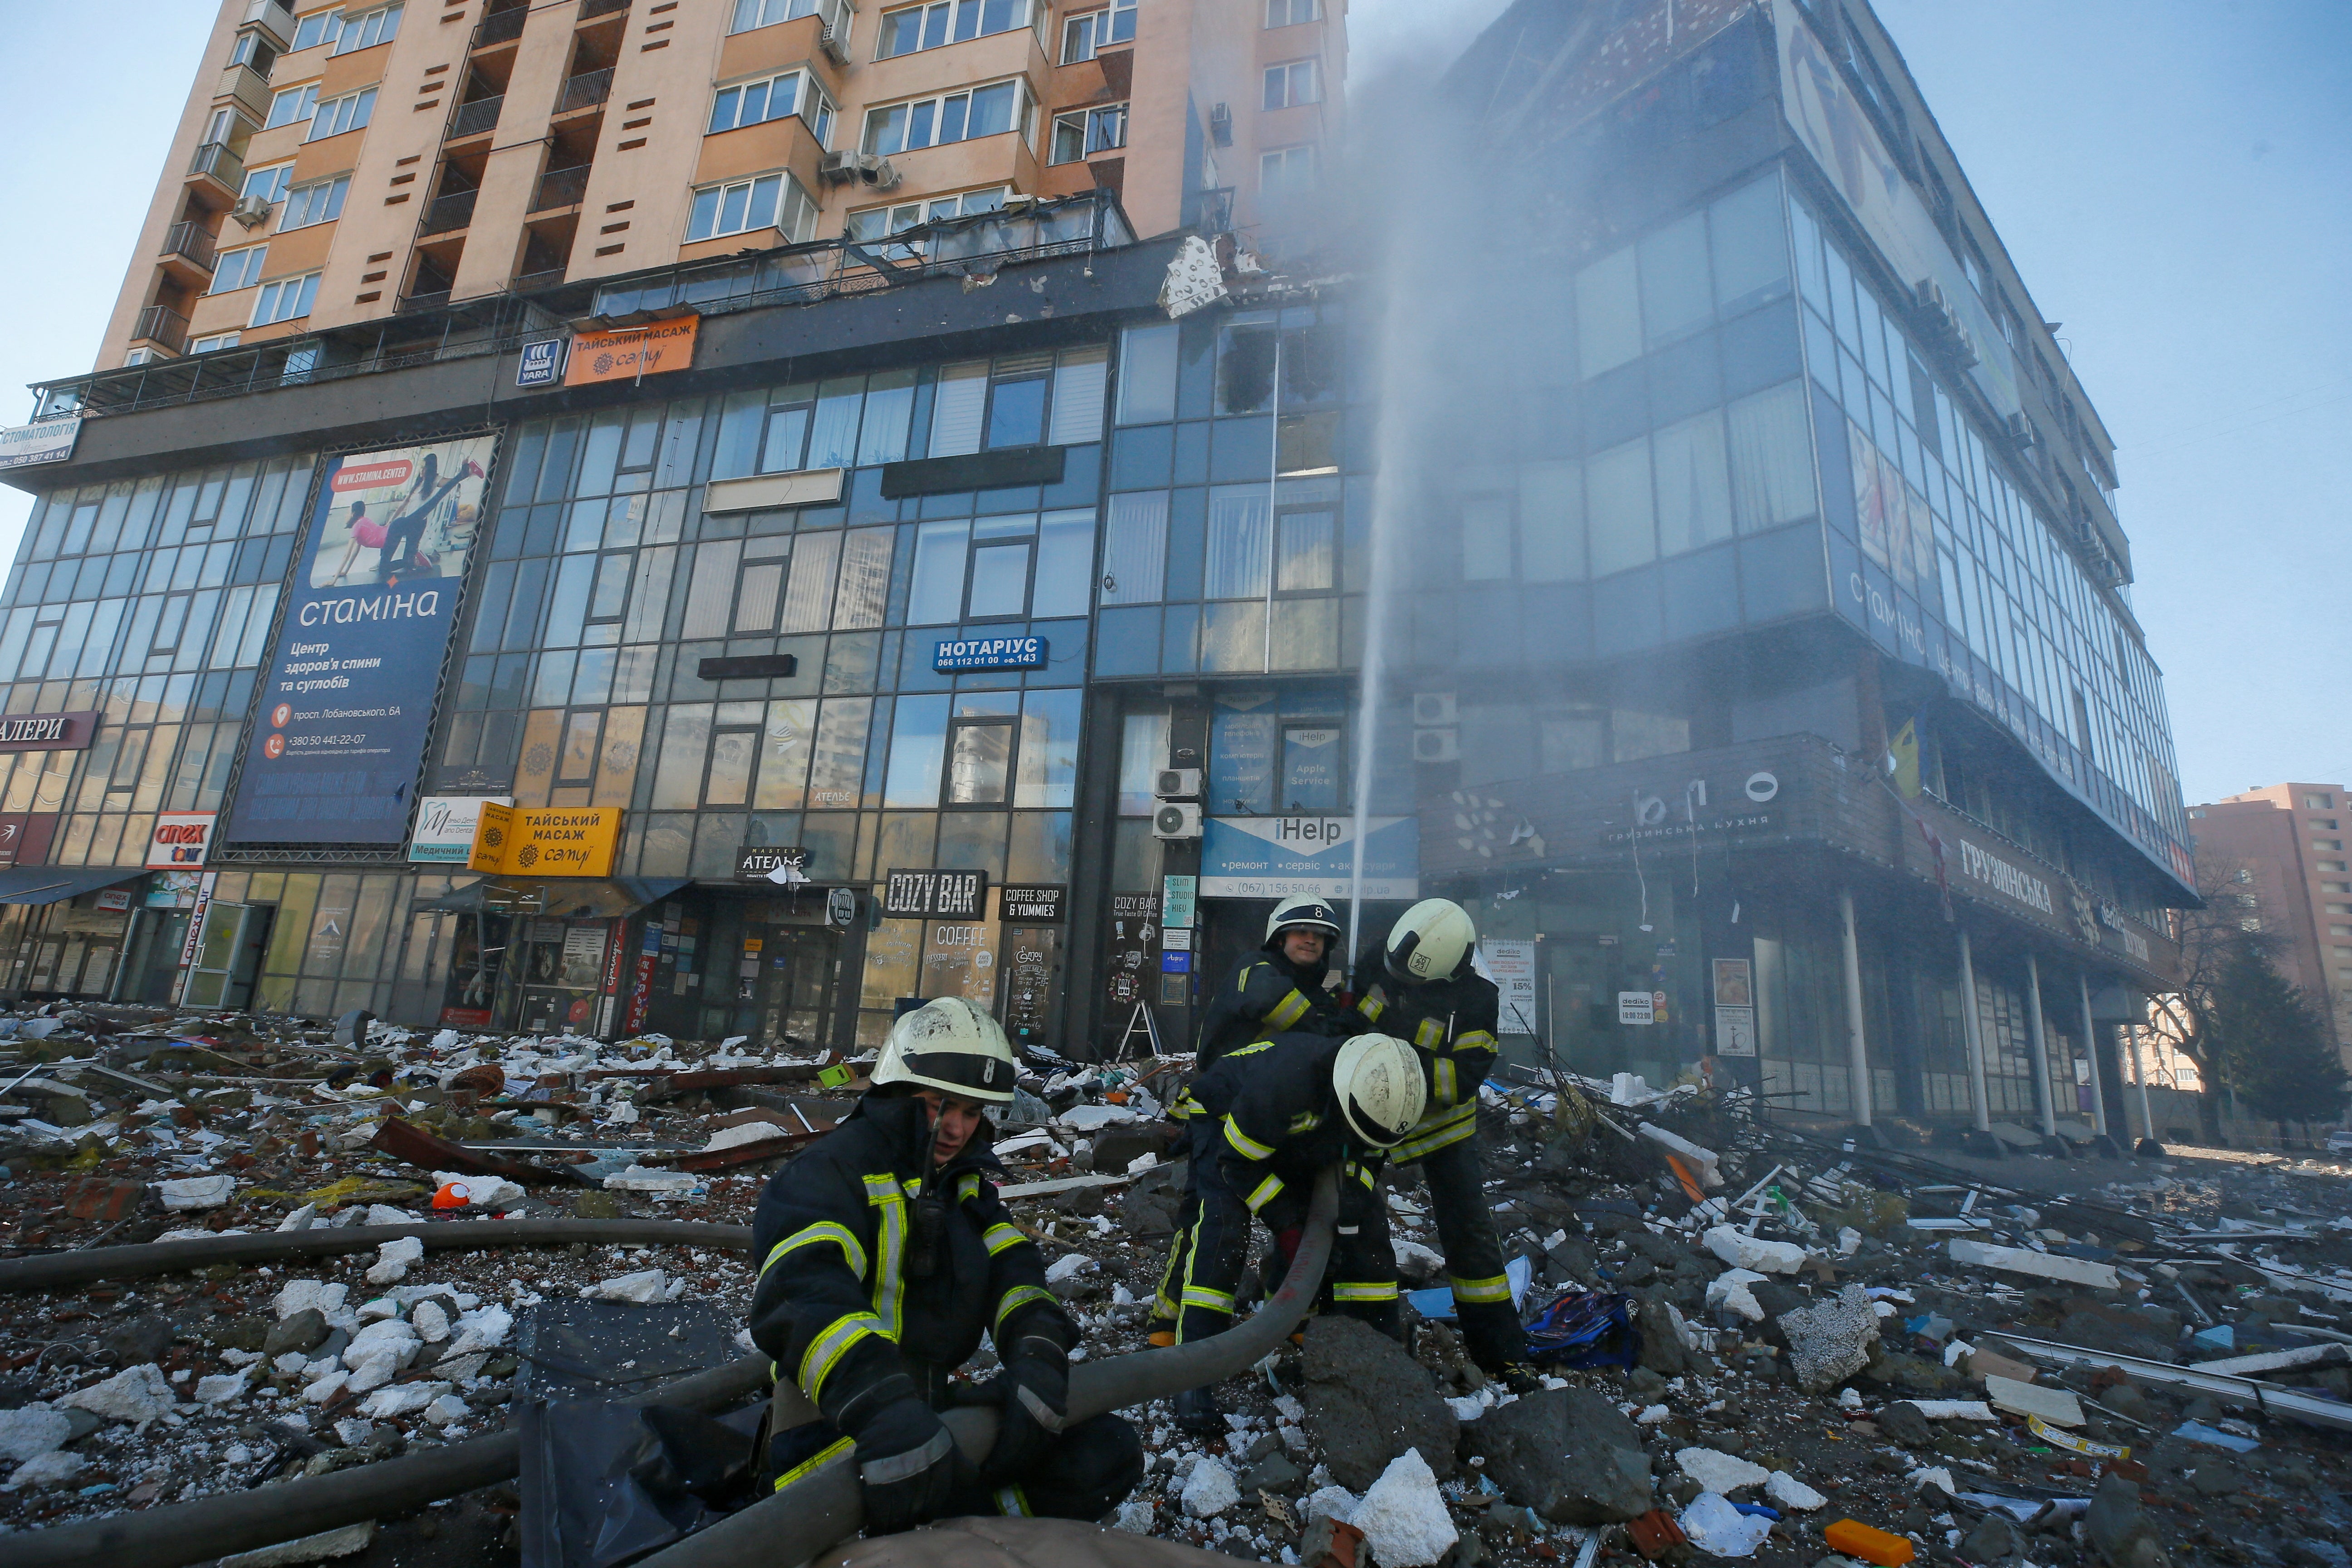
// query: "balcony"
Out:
[431,299]
[162,325]
[270,13]
[474,117]
[591,9]
[249,88]
[215,162]
[501,27]
[561,188]
[585,90]
[451,212]
[189,240]
[524,282]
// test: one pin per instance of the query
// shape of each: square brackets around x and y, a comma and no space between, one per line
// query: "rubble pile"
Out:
[1751,1345]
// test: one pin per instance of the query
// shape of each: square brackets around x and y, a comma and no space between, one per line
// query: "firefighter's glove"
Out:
[907,1466]
[1035,1394]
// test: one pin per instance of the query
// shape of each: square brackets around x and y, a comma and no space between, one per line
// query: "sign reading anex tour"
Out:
[543,841]
[942,895]
[50,441]
[47,732]
[633,353]
[178,840]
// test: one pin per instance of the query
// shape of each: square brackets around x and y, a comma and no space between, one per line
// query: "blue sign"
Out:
[1309,857]
[347,700]
[991,653]
[542,364]
[1175,963]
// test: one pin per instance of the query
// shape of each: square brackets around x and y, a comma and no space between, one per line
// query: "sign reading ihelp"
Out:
[942,895]
[991,653]
[542,841]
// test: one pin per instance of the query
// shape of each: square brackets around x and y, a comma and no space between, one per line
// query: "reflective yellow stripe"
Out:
[1476,1040]
[852,1249]
[1001,1236]
[1249,1050]
[1018,1297]
[1364,1173]
[1202,1296]
[1244,1145]
[1439,1129]
[1431,1034]
[830,1346]
[883,1192]
[1498,1288]
[1305,1121]
[822,1457]
[1012,1503]
[1372,1007]
[1263,1194]
[1370,1290]
[1443,1071]
[1287,1011]
[968,1188]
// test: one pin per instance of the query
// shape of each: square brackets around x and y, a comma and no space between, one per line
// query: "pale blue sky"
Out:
[2173,178]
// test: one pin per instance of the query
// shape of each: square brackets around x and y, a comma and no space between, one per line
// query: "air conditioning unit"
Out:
[1430,707]
[877,171]
[1178,783]
[1438,745]
[858,168]
[1176,819]
[838,168]
[250,211]
[2021,429]
[835,47]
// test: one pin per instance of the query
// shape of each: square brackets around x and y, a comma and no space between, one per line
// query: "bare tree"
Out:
[2229,925]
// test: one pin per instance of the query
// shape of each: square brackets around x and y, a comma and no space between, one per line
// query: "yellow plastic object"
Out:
[1858,1540]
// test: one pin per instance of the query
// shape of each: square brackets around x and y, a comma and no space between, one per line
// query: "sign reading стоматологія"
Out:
[346,703]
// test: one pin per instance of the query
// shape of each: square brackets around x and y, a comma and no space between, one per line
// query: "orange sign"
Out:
[632,352]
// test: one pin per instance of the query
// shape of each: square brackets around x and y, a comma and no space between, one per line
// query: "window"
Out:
[285,299]
[948,22]
[2323,825]
[364,32]
[250,49]
[2319,803]
[217,341]
[1286,169]
[958,117]
[238,269]
[1288,86]
[321,203]
[1290,13]
[755,102]
[751,13]
[1086,131]
[2331,845]
[880,223]
[269,184]
[770,201]
[338,115]
[294,104]
[138,357]
[318,28]
[1083,36]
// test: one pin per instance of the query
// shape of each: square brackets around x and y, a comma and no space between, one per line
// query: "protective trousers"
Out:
[1210,1247]
[1474,1257]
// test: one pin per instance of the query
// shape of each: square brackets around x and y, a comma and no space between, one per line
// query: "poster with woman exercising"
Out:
[400,515]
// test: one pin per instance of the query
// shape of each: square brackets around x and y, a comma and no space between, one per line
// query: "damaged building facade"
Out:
[871,624]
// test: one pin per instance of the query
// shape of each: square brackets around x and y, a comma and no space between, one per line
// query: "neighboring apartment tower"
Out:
[340,165]
[2281,848]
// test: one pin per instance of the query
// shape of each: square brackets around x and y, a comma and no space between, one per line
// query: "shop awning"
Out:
[558,898]
[54,884]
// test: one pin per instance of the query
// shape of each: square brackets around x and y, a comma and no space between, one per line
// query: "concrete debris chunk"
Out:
[1734,1289]
[1792,1493]
[2119,1531]
[136,1393]
[1367,1402]
[2040,1264]
[2056,1406]
[55,1468]
[642,1289]
[1210,1490]
[430,1320]
[1568,1454]
[1716,1471]
[33,1430]
[191,1193]
[301,1295]
[393,1258]
[1403,1516]
[1830,1341]
[1752,1253]
[344,1542]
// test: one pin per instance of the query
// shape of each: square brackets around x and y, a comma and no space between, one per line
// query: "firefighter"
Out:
[1420,988]
[1279,1112]
[885,1256]
[1284,988]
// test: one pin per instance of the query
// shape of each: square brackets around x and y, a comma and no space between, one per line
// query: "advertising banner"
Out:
[1511,965]
[632,354]
[545,841]
[48,731]
[178,840]
[1309,857]
[346,701]
[446,824]
[50,441]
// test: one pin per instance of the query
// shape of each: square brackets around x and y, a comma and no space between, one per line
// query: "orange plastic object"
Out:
[1856,1538]
[453,1195]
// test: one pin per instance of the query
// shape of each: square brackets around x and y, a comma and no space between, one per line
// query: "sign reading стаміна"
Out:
[347,701]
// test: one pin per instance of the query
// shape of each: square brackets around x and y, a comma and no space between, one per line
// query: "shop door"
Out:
[154,968]
[1577,985]
[1033,983]
[562,965]
[228,957]
[477,969]
[792,991]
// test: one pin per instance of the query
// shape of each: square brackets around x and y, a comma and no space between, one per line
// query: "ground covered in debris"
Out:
[1762,1347]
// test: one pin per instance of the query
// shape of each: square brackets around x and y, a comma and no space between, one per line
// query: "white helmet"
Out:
[949,1044]
[1378,1081]
[1430,941]
[1307,914]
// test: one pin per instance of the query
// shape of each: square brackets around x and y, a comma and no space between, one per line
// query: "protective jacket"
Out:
[838,1307]
[1267,996]
[1450,1024]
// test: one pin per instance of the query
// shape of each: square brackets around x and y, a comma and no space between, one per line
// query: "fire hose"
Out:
[803,1519]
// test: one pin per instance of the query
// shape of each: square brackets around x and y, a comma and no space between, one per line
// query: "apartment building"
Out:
[338,167]
[2280,853]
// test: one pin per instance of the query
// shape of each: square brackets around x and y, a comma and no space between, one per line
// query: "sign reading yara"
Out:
[546,841]
[347,700]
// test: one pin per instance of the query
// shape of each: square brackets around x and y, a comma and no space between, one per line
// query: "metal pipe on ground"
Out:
[58,1271]
[216,1526]
[826,1505]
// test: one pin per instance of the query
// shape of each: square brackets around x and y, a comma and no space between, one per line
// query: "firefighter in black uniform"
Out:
[1420,988]
[1281,989]
[1277,1112]
[885,1256]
